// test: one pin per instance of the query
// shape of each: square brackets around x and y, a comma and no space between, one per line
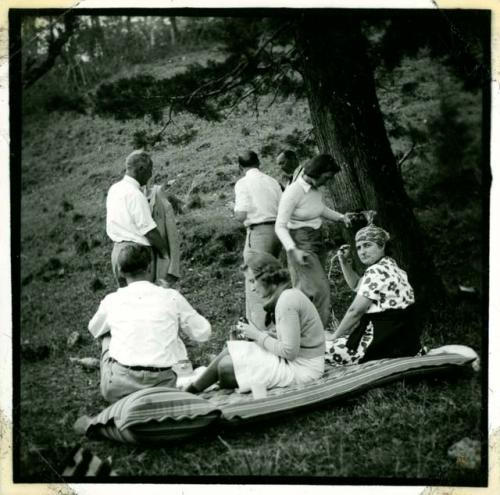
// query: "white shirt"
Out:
[128,216]
[144,321]
[301,205]
[258,195]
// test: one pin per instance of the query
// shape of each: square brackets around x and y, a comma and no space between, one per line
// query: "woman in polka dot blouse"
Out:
[379,323]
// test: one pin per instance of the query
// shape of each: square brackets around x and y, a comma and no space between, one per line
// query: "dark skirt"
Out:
[394,334]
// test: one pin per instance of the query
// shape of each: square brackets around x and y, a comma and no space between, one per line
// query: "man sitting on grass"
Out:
[139,326]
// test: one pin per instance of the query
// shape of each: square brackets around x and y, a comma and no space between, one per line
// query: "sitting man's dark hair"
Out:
[248,159]
[134,259]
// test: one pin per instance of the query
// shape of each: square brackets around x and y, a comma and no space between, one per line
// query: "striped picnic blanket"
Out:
[336,383]
[162,415]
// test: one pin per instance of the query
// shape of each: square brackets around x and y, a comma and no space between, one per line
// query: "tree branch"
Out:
[158,135]
[237,71]
[277,84]
[55,47]
[406,156]
[212,82]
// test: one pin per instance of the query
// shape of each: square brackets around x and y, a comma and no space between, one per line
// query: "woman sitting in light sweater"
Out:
[292,354]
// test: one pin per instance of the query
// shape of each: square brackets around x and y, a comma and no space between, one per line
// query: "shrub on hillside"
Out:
[194,201]
[271,146]
[66,102]
[176,203]
[214,240]
[184,137]
[66,205]
[302,142]
[434,124]
[97,284]
[143,95]
[430,115]
[128,98]
[54,95]
[81,244]
[142,139]
[33,352]
[52,268]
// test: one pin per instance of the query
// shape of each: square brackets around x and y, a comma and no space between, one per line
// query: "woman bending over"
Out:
[301,213]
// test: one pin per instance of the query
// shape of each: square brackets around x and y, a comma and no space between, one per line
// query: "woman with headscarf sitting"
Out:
[379,323]
[294,353]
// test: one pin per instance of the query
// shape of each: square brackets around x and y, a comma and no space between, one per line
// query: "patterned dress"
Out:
[387,329]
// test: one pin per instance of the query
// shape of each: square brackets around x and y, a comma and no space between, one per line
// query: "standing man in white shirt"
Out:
[139,325]
[128,216]
[257,197]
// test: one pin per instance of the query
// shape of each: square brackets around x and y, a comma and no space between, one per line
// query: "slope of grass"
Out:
[69,161]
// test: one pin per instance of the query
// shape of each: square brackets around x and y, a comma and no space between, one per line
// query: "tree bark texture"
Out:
[348,124]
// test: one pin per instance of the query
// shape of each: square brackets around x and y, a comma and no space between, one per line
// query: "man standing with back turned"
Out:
[128,216]
[257,196]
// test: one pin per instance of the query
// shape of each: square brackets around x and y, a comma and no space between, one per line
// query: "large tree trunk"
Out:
[348,124]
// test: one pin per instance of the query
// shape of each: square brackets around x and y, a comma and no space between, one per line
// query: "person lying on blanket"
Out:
[139,325]
[379,323]
[292,354]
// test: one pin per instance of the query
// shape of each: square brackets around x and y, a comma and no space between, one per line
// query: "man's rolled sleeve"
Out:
[191,322]
[98,325]
[141,214]
[241,198]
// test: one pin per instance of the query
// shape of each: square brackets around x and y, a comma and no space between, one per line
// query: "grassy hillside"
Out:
[69,162]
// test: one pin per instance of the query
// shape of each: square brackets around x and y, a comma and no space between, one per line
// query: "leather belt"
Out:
[253,225]
[142,368]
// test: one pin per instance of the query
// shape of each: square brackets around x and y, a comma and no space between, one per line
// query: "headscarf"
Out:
[372,233]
